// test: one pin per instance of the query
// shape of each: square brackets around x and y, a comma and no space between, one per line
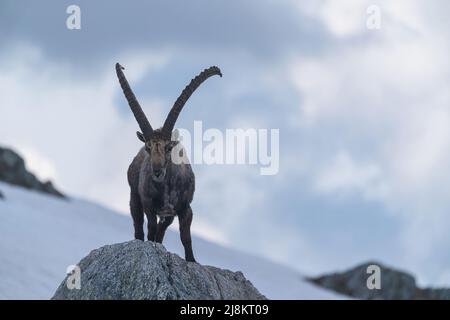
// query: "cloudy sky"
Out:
[364,117]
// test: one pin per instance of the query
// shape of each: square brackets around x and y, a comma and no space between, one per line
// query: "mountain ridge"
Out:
[395,284]
[14,171]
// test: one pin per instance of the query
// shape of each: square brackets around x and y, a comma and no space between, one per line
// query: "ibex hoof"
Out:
[139,236]
[190,259]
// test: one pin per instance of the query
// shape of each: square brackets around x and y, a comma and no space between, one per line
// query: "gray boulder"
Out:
[145,270]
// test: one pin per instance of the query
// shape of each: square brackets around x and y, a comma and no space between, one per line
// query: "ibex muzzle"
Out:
[159,186]
[160,151]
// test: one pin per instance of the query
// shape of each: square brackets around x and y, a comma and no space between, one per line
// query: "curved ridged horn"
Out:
[184,96]
[135,107]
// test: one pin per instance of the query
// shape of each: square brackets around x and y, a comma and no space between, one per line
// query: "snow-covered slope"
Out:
[40,236]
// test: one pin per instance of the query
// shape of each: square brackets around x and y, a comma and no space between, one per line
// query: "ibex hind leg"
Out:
[185,220]
[137,213]
[163,224]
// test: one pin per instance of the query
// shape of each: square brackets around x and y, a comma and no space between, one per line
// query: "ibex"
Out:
[159,186]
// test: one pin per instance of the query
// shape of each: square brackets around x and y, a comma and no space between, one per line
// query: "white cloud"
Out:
[72,120]
[341,18]
[344,17]
[420,148]
[387,98]
[373,121]
[347,18]
[38,164]
[343,174]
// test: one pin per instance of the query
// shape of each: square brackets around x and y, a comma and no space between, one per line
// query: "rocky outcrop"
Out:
[394,284]
[145,270]
[13,171]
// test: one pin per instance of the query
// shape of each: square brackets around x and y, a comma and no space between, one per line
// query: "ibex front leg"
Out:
[137,213]
[185,220]
[151,226]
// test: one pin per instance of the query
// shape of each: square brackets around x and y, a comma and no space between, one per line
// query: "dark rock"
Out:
[1,195]
[395,284]
[434,293]
[145,270]
[13,171]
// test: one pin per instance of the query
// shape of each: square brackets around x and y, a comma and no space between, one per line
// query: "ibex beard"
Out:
[160,187]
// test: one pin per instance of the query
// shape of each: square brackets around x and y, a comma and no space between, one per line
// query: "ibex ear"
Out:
[140,136]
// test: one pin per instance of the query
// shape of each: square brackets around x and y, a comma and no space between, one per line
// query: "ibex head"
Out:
[158,143]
